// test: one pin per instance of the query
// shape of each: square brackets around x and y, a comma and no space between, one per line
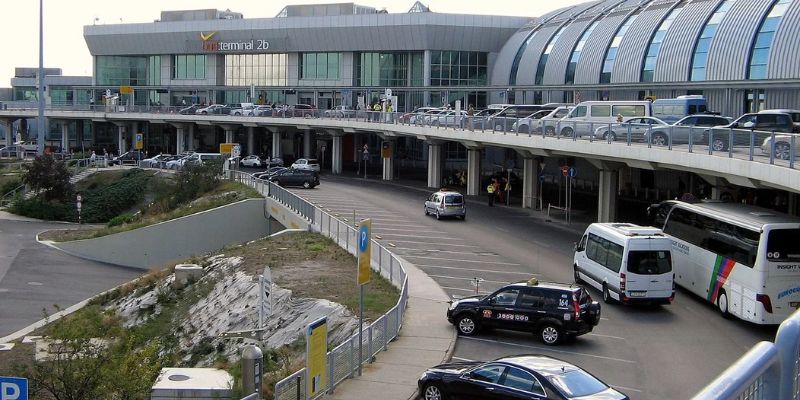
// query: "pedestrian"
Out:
[490,190]
[508,192]
[92,158]
[377,110]
[619,118]
[183,102]
[470,114]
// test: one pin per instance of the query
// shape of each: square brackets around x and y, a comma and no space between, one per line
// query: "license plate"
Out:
[795,304]
[639,293]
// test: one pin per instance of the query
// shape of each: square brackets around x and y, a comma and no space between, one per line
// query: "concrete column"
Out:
[251,141]
[65,136]
[307,136]
[336,154]
[228,135]
[8,127]
[529,182]
[792,204]
[276,144]
[607,196]
[434,165]
[473,172]
[121,144]
[180,136]
[388,162]
[193,141]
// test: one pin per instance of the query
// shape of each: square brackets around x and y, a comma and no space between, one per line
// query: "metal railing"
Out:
[12,195]
[343,361]
[768,371]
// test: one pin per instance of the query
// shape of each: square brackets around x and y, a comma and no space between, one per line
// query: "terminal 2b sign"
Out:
[212,45]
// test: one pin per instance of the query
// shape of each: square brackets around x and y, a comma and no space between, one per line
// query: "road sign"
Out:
[139,141]
[541,178]
[236,150]
[364,251]
[565,170]
[13,388]
[226,148]
[365,155]
[126,89]
[265,296]
[388,92]
[317,357]
[572,172]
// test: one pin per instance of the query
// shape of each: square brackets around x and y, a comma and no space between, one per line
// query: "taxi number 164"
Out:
[512,317]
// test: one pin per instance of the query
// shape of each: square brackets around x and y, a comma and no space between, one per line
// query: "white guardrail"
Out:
[343,361]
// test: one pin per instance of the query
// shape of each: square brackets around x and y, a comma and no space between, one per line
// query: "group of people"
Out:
[497,190]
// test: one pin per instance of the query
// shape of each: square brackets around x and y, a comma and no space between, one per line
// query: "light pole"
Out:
[40,118]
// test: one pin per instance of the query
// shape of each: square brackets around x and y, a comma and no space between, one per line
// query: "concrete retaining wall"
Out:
[286,217]
[172,241]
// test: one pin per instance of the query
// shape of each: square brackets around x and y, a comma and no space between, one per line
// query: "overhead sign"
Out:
[222,46]
[364,251]
[316,357]
[13,388]
[226,148]
[139,139]
[126,89]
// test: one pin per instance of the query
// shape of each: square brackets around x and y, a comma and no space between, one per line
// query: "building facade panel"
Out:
[631,52]
[783,58]
[501,69]
[530,59]
[591,62]
[728,56]
[675,58]
[562,50]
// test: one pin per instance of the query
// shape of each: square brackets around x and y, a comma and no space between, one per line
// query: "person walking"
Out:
[93,158]
[470,114]
[491,191]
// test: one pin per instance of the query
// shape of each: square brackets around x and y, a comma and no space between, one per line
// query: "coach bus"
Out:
[743,259]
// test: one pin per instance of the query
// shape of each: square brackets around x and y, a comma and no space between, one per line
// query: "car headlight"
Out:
[452,305]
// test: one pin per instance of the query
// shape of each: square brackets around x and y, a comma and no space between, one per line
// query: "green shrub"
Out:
[103,203]
[37,207]
[9,185]
[121,219]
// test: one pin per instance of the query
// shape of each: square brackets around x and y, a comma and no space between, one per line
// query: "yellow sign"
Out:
[650,98]
[317,357]
[364,251]
[226,148]
[205,37]
[139,141]
[126,89]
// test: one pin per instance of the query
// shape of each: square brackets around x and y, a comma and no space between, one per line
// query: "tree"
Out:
[50,176]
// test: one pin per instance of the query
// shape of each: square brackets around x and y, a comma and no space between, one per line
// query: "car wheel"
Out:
[610,137]
[466,325]
[719,145]
[307,115]
[498,127]
[550,334]
[550,131]
[306,185]
[607,295]
[782,150]
[204,113]
[524,129]
[722,304]
[659,139]
[432,391]
[567,132]
[577,274]
[426,210]
[464,217]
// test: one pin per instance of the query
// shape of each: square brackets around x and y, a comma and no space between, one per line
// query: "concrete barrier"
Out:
[175,240]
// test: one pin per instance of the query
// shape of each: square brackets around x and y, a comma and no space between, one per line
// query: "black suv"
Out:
[552,311]
[295,177]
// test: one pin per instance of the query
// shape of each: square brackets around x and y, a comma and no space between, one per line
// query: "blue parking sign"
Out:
[13,388]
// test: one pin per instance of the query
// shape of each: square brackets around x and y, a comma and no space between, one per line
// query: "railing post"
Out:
[730,142]
[391,269]
[711,141]
[331,370]
[792,151]
[671,133]
[369,344]
[752,143]
[385,333]
[772,149]
[352,357]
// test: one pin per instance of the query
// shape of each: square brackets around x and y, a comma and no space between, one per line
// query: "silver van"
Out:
[626,262]
[446,203]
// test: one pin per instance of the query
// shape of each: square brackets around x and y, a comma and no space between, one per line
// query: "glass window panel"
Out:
[760,56]
[650,63]
[699,73]
[653,50]
[659,36]
[647,76]
[780,9]
[189,71]
[612,53]
[703,45]
[700,60]
[764,39]
[771,24]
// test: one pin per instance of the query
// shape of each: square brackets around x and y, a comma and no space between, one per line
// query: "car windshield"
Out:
[577,383]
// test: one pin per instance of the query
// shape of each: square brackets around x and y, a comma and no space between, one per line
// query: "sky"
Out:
[64,20]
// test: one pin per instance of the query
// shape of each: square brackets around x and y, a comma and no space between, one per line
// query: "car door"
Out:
[482,383]
[498,309]
[529,309]
[517,383]
[430,203]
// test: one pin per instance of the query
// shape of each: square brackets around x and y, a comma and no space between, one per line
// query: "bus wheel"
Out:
[722,304]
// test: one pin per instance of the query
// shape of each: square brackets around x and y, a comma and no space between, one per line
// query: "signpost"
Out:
[78,205]
[316,357]
[365,157]
[13,388]
[265,297]
[139,141]
[236,150]
[364,257]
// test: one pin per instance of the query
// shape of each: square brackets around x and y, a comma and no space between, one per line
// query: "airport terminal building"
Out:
[741,55]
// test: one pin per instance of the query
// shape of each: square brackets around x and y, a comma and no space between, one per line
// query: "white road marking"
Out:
[459,260]
[434,244]
[549,349]
[605,336]
[528,274]
[424,237]
[460,289]
[450,251]
[465,279]
[403,230]
[461,359]
[625,388]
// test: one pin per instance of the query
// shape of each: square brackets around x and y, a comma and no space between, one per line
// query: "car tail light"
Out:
[764,299]
[622,282]
[576,307]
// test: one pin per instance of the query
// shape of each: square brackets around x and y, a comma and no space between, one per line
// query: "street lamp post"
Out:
[40,118]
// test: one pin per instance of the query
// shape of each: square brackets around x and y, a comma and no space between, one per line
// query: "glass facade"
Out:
[576,54]
[389,69]
[759,54]
[61,95]
[700,57]
[458,68]
[611,53]
[121,70]
[655,43]
[189,66]
[543,59]
[256,69]
[154,70]
[512,78]
[25,93]
[320,66]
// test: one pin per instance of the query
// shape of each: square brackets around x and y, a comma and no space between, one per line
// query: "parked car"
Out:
[422,119]
[552,311]
[446,203]
[681,130]
[589,115]
[273,162]
[214,109]
[341,112]
[408,118]
[447,118]
[762,124]
[636,127]
[794,114]
[542,119]
[295,177]
[251,161]
[263,111]
[783,146]
[269,172]
[526,377]
[130,157]
[11,151]
[163,162]
[303,110]
[177,163]
[310,164]
[191,110]
[154,162]
[239,109]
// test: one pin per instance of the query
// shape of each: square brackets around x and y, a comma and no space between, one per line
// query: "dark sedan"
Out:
[295,177]
[518,377]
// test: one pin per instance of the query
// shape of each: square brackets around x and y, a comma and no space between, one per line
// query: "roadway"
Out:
[662,352]
[35,278]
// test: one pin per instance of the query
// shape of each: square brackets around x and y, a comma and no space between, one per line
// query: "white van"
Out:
[588,115]
[627,262]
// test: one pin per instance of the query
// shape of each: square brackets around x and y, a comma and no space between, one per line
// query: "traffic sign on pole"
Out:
[364,251]
[573,172]
[565,170]
[13,388]
[265,296]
